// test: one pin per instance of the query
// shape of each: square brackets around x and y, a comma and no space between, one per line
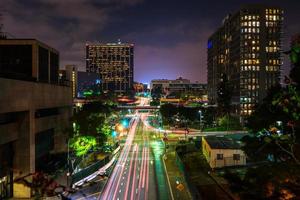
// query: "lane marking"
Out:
[134,173]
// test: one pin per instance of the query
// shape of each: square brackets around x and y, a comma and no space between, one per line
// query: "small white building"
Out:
[222,152]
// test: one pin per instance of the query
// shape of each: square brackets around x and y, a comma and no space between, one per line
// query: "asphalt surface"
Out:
[132,177]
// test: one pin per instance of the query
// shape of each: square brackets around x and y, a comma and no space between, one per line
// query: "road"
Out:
[133,176]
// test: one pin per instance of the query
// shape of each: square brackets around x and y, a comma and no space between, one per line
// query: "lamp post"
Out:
[279,124]
[68,162]
[200,118]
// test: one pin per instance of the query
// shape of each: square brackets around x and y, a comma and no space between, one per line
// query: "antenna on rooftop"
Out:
[2,34]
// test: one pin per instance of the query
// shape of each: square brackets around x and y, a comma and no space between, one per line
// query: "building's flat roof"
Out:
[21,41]
[222,142]
[110,44]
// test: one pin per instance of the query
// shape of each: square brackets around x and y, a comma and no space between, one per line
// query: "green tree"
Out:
[83,144]
[167,111]
[94,120]
[229,123]
[258,120]
[156,92]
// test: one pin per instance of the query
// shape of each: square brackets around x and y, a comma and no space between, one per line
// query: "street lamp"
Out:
[279,124]
[120,128]
[68,163]
[200,118]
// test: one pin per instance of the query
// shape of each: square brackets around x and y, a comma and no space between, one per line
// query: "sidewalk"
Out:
[174,175]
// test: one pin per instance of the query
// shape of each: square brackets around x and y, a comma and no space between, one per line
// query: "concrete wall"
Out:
[24,98]
[16,96]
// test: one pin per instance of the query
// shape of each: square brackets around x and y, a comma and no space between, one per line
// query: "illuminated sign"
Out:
[209,44]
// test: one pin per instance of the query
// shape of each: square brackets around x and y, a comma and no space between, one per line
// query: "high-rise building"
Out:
[70,73]
[34,111]
[247,48]
[28,59]
[114,63]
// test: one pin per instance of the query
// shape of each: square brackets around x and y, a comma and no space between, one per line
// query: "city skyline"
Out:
[220,120]
[170,37]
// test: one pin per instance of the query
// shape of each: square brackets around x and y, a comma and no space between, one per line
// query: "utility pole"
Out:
[200,119]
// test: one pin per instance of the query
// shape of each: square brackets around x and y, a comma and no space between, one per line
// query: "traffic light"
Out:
[114,134]
[125,123]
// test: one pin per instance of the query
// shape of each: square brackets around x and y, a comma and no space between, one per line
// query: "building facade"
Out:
[179,85]
[34,111]
[247,48]
[115,64]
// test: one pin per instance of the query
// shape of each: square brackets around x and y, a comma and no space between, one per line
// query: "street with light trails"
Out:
[133,176]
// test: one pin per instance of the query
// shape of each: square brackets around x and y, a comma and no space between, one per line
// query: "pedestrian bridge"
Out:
[139,107]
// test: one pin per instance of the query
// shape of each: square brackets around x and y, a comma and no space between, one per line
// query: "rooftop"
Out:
[222,142]
[115,44]
[22,41]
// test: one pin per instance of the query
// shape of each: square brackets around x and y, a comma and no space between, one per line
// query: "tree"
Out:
[93,121]
[224,92]
[258,120]
[167,111]
[156,92]
[209,116]
[229,123]
[295,59]
[83,144]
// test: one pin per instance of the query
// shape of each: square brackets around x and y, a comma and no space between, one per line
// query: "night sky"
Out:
[170,36]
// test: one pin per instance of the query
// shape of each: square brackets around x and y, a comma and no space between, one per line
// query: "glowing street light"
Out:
[200,118]
[120,128]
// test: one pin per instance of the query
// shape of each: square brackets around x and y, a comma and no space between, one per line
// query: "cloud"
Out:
[63,24]
[186,58]
[67,25]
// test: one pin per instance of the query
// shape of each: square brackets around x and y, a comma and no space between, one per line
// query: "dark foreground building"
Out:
[114,63]
[34,111]
[247,48]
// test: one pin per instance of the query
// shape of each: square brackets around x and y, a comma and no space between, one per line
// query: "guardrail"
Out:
[139,107]
[89,170]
